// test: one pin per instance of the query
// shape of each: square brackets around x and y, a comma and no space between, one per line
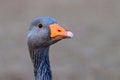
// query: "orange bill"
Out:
[58,33]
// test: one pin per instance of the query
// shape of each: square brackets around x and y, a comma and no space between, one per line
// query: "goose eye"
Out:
[40,25]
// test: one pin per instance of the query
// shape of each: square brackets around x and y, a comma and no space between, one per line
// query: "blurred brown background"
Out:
[92,54]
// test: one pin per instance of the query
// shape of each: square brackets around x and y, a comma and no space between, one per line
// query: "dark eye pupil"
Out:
[40,25]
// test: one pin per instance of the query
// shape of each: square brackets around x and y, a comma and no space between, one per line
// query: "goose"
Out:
[42,33]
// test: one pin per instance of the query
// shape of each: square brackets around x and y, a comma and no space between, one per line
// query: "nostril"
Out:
[59,30]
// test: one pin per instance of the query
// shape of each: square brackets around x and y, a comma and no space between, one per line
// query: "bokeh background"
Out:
[92,54]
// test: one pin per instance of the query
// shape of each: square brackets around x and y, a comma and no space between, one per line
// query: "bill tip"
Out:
[70,34]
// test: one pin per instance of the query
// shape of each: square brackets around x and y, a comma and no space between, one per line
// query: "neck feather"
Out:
[40,59]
